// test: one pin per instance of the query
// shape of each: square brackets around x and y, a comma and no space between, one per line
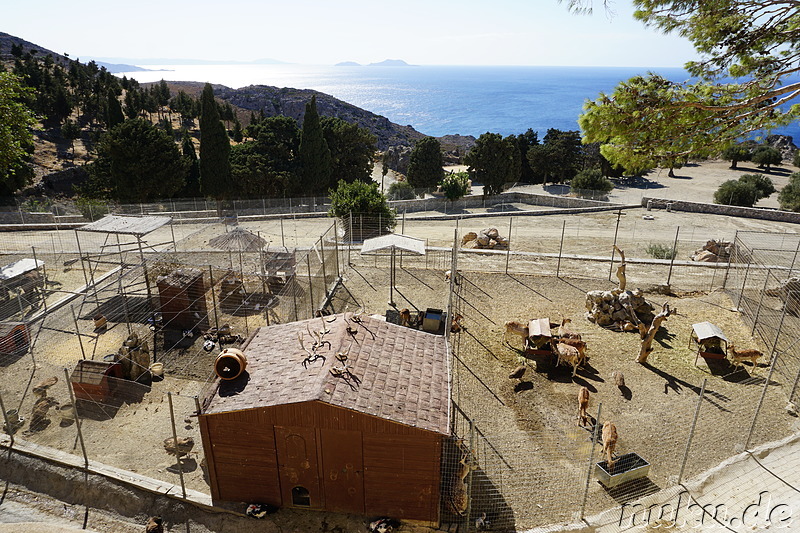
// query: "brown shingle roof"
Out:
[404,372]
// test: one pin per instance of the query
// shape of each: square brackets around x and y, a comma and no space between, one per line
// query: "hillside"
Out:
[7,41]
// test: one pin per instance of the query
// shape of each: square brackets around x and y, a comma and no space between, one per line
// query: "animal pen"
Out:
[515,448]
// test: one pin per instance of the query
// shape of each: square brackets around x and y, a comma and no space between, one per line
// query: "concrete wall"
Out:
[729,210]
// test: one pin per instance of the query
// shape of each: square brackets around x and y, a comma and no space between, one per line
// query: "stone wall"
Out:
[729,210]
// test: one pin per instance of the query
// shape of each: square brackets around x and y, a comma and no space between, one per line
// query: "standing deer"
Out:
[564,331]
[740,356]
[567,354]
[516,328]
[583,405]
[609,443]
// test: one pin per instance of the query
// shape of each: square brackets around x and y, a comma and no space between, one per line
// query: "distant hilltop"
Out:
[384,63]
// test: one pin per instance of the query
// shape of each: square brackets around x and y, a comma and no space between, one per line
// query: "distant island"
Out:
[384,63]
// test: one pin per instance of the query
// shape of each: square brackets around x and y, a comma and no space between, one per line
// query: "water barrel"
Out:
[230,364]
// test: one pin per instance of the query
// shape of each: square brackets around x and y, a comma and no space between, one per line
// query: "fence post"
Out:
[283,239]
[774,358]
[175,442]
[336,248]
[744,282]
[9,429]
[324,274]
[674,253]
[561,248]
[42,291]
[453,274]
[595,435]
[508,251]
[691,431]
[614,249]
[728,267]
[213,296]
[761,301]
[77,331]
[77,417]
[310,284]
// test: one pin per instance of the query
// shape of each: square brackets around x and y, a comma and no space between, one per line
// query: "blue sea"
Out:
[440,100]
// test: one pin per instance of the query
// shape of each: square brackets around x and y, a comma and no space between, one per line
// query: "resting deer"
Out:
[583,405]
[739,356]
[609,443]
[516,328]
[564,331]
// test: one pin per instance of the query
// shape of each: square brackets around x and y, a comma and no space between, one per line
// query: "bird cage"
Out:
[711,342]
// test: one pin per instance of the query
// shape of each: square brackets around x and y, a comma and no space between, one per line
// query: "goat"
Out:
[516,328]
[564,332]
[583,404]
[739,356]
[567,354]
[609,443]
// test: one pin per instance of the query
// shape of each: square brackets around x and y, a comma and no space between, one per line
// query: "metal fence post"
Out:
[614,248]
[561,248]
[77,330]
[310,284]
[744,282]
[774,357]
[595,436]
[175,442]
[691,431]
[761,301]
[77,418]
[508,251]
[674,253]
[10,430]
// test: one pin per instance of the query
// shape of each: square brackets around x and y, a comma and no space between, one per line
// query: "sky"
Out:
[317,32]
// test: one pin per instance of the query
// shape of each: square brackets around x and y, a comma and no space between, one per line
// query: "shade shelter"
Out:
[709,339]
[358,430]
[393,242]
[238,240]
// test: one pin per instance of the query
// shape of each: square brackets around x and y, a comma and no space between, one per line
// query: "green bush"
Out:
[591,180]
[455,185]
[661,251]
[364,201]
[735,192]
[763,184]
[796,158]
[789,197]
[92,208]
[401,190]
[765,156]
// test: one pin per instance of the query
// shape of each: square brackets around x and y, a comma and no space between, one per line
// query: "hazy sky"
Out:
[425,32]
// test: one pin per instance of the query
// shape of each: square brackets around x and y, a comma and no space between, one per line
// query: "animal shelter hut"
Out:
[709,339]
[15,339]
[353,422]
[393,242]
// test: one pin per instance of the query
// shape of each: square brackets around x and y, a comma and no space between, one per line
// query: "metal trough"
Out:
[626,468]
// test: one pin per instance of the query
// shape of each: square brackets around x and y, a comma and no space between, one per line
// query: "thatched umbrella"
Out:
[238,240]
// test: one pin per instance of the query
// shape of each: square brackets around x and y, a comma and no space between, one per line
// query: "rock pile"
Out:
[487,238]
[713,251]
[789,292]
[615,308]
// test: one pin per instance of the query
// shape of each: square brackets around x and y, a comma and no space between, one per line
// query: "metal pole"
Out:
[595,436]
[508,252]
[391,278]
[213,296]
[44,281]
[614,249]
[760,302]
[746,272]
[77,331]
[9,429]
[691,431]
[310,284]
[80,255]
[561,248]
[77,418]
[453,274]
[674,253]
[349,238]
[761,399]
[336,248]
[175,441]
[324,273]
[728,267]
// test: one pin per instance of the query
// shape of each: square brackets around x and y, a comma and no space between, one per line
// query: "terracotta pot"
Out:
[230,364]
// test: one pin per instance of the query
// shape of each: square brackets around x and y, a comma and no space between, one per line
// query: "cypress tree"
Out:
[114,108]
[192,188]
[215,167]
[313,153]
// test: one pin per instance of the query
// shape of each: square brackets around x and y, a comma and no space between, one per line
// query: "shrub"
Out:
[361,198]
[796,158]
[735,192]
[401,190]
[789,197]
[455,185]
[92,208]
[763,184]
[591,180]
[661,251]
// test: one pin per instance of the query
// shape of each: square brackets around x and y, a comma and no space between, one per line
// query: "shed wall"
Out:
[401,464]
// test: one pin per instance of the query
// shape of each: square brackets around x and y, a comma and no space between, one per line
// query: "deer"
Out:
[609,443]
[564,331]
[739,356]
[619,379]
[405,317]
[567,354]
[583,405]
[517,328]
[459,499]
[577,344]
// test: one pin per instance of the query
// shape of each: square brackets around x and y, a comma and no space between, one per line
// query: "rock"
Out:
[705,256]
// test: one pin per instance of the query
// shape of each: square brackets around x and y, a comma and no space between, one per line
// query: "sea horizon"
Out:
[439,100]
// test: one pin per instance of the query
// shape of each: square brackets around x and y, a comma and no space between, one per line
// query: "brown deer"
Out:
[567,354]
[564,331]
[517,328]
[609,443]
[740,356]
[583,404]
[459,499]
[405,317]
[577,344]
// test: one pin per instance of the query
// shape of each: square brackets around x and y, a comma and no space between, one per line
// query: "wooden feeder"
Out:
[14,338]
[182,296]
[627,467]
[94,380]
[539,335]
[710,340]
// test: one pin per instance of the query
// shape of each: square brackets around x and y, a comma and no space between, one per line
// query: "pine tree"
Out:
[313,153]
[425,164]
[115,115]
[192,188]
[215,169]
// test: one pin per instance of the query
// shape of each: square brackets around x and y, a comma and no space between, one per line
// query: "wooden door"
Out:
[343,471]
[298,467]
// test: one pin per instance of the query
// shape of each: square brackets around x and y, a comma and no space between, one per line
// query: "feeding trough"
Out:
[627,467]
[709,339]
[539,335]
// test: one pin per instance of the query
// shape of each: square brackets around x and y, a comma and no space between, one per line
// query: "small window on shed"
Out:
[300,496]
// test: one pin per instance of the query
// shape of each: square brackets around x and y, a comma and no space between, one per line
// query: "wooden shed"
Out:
[95,380]
[182,296]
[14,338]
[311,437]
